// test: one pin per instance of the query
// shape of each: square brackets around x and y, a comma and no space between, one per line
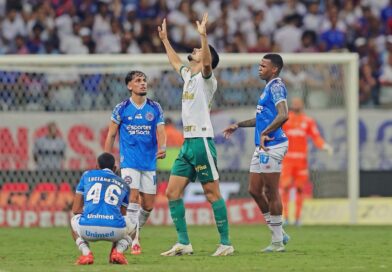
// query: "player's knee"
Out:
[254,193]
[172,194]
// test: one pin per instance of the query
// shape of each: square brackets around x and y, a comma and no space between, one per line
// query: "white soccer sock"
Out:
[133,213]
[267,218]
[143,217]
[122,245]
[83,246]
[277,230]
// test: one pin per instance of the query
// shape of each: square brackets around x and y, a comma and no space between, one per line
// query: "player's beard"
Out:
[141,94]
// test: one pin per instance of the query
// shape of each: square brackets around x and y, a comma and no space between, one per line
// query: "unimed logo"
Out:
[100,235]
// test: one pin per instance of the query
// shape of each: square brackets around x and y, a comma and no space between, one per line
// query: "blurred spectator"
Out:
[308,42]
[49,150]
[333,38]
[289,32]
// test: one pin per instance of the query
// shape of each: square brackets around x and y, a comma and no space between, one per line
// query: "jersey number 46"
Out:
[111,194]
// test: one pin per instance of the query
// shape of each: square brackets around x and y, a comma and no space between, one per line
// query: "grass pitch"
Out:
[332,248]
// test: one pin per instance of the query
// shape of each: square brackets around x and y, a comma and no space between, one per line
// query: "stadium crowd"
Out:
[129,26]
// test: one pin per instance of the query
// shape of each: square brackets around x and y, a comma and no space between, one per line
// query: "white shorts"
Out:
[144,181]
[269,161]
[97,233]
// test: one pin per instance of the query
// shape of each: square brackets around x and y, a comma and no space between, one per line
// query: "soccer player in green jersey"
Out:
[197,158]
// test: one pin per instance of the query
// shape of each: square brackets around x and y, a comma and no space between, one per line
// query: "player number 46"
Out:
[111,194]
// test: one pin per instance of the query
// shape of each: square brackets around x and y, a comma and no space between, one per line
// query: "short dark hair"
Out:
[132,74]
[276,60]
[106,160]
[214,57]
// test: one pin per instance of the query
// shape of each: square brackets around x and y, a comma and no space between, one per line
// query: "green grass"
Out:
[341,248]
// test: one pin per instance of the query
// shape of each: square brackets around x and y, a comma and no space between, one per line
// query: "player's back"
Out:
[104,194]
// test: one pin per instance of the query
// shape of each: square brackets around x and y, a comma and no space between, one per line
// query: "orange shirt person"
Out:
[295,172]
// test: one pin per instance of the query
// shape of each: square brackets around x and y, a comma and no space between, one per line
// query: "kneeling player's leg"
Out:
[82,244]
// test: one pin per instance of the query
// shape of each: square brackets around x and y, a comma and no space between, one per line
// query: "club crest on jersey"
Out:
[128,179]
[149,116]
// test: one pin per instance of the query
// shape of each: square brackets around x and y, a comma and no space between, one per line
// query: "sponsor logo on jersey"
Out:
[259,109]
[138,116]
[100,216]
[188,95]
[149,116]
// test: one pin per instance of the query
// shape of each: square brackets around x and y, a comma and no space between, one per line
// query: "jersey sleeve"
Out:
[314,134]
[211,83]
[80,186]
[160,119]
[184,71]
[278,93]
[116,114]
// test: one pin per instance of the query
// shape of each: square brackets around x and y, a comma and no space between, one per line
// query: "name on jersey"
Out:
[188,95]
[95,179]
[100,216]
[139,129]
[259,109]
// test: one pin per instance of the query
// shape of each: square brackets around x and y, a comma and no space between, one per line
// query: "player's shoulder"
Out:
[277,83]
[122,104]
[154,104]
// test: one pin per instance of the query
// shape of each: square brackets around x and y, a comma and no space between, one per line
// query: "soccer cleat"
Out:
[224,250]
[274,247]
[136,248]
[179,250]
[85,259]
[117,257]
[286,238]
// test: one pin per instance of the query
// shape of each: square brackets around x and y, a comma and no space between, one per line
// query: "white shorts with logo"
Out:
[144,181]
[97,233]
[269,161]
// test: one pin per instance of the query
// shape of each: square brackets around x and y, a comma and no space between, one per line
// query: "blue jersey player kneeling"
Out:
[99,206]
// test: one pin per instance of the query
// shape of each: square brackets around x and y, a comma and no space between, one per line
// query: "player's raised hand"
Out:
[162,30]
[229,130]
[201,27]
[263,139]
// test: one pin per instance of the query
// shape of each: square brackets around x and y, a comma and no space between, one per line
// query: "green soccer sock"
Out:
[220,214]
[177,212]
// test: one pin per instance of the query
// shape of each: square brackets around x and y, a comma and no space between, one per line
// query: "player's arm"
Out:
[233,127]
[278,122]
[174,59]
[78,203]
[280,118]
[205,49]
[111,136]
[123,210]
[318,141]
[161,137]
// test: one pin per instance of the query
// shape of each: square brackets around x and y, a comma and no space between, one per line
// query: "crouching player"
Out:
[99,206]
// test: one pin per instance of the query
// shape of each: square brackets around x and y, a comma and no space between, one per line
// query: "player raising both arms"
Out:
[271,146]
[139,122]
[99,204]
[197,158]
[295,172]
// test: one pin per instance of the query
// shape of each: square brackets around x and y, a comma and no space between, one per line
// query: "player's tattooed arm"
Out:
[279,120]
[247,123]
[233,127]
